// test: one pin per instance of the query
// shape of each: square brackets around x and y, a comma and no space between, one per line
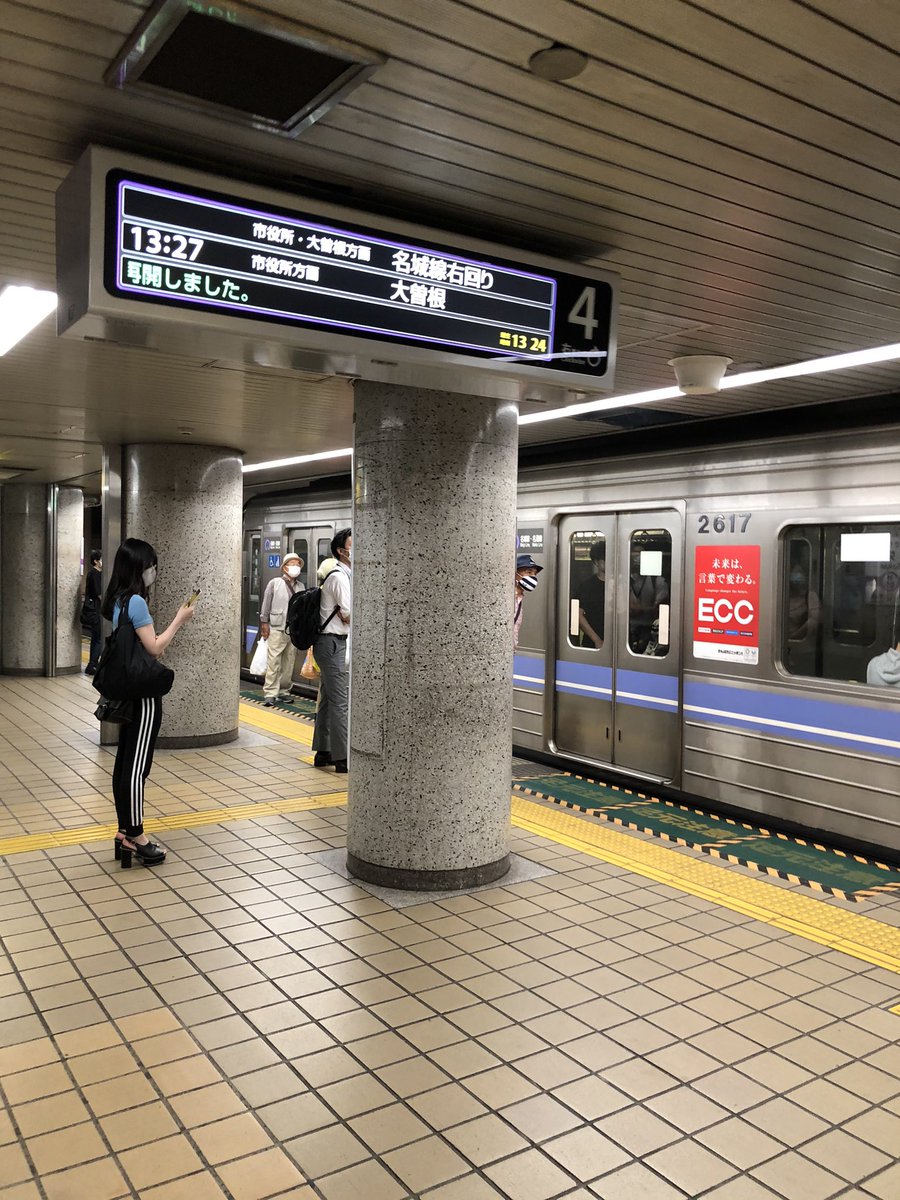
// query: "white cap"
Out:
[287,558]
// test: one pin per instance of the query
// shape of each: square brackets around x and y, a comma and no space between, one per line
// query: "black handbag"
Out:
[126,671]
[117,712]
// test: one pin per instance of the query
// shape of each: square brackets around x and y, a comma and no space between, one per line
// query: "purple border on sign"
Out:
[208,302]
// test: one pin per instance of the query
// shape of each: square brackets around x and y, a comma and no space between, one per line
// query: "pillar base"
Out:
[201,739]
[22,671]
[428,881]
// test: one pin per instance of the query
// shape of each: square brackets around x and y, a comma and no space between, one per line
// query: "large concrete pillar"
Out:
[24,552]
[186,501]
[40,546]
[431,690]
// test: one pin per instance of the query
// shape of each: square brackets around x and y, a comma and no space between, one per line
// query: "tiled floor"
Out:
[243,1022]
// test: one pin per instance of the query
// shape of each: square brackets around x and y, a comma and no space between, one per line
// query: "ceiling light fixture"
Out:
[21,309]
[293,462]
[557,62]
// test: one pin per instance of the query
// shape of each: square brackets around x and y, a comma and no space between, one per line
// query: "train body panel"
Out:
[705,619]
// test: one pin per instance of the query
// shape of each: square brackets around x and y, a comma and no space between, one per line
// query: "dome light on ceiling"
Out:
[557,62]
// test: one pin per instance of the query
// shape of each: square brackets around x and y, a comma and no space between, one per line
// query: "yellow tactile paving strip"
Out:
[273,722]
[847,932]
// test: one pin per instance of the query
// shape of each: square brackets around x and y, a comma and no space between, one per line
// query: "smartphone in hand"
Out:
[192,599]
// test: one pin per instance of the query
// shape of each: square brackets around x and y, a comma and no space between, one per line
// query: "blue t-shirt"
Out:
[138,612]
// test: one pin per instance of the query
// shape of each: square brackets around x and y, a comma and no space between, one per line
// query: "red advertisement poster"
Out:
[726,603]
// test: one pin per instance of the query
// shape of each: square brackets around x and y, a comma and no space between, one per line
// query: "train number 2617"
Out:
[719,522]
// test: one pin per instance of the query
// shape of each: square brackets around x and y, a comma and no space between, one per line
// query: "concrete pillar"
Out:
[32,568]
[431,687]
[69,581]
[186,501]
[24,552]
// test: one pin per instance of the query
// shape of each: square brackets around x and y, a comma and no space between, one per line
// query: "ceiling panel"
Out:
[736,164]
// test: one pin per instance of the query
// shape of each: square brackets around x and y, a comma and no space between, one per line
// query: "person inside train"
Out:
[884,669]
[592,598]
[273,630]
[804,607]
[90,612]
[646,594]
[527,571]
[332,653]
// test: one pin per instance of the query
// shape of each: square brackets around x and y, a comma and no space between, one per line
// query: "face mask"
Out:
[149,576]
[293,571]
[528,582]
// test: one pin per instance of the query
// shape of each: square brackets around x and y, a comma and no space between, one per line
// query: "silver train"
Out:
[704,622]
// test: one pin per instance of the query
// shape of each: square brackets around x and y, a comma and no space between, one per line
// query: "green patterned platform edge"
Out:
[821,868]
[302,708]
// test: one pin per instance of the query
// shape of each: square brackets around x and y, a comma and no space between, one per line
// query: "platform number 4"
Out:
[582,313]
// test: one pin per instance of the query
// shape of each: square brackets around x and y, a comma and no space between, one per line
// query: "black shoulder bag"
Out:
[126,671]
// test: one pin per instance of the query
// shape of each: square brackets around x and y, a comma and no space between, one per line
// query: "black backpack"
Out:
[303,616]
[126,671]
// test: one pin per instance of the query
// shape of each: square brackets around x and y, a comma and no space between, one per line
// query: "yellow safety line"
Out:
[850,933]
[273,722]
[184,820]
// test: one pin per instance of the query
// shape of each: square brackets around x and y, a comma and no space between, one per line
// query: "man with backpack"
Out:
[330,648]
[273,628]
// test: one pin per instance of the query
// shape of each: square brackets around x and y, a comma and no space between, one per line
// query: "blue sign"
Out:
[274,560]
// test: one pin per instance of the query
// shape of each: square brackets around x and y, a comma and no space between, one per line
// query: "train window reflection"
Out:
[839,610]
[587,589]
[649,589]
[300,545]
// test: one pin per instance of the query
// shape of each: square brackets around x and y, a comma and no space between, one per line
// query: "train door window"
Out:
[649,590]
[323,552]
[587,589]
[254,572]
[840,598]
[299,543]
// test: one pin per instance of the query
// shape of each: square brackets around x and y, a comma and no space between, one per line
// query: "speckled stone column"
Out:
[431,682]
[23,549]
[186,501]
[69,580]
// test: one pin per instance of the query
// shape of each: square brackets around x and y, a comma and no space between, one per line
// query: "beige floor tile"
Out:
[885,1186]
[586,1153]
[637,1130]
[791,1175]
[25,1055]
[206,1104]
[744,1188]
[56,1112]
[114,1095]
[21,1191]
[95,1181]
[485,1139]
[65,1148]
[425,1164]
[412,1076]
[36,1083]
[147,1024]
[878,1128]
[846,1156]
[351,1097]
[470,1187]
[387,1128]
[786,1121]
[232,1137]
[102,1064]
[529,1176]
[326,1150]
[366,1181]
[14,1166]
[270,1173]
[195,1187]
[295,1116]
[185,1075]
[149,1123]
[170,1158]
[690,1167]
[540,1117]
[635,1182]
[269,1085]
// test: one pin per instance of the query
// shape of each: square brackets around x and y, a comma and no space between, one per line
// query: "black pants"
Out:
[134,758]
[96,632]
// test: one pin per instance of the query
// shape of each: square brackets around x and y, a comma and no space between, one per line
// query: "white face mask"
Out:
[293,570]
[149,576]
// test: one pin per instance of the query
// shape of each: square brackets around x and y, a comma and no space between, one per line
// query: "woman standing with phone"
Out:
[133,573]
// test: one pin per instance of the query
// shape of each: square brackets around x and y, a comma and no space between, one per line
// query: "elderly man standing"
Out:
[273,628]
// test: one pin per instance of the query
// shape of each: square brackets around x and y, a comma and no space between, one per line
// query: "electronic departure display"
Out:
[173,245]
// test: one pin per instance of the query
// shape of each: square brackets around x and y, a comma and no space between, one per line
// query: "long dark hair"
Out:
[133,558]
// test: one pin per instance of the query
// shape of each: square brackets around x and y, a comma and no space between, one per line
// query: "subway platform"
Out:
[635,1019]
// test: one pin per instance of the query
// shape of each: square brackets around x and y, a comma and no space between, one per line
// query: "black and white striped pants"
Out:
[134,758]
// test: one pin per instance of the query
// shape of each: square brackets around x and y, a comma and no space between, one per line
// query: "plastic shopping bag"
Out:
[310,668]
[260,658]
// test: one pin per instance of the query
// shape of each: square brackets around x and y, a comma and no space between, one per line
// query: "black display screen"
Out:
[170,245]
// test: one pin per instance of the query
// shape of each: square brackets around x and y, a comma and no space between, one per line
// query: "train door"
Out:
[250,593]
[616,686]
[300,540]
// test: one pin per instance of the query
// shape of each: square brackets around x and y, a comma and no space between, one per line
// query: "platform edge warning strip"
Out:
[275,722]
[850,933]
[252,810]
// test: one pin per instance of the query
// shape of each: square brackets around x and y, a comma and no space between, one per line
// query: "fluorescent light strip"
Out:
[293,462]
[812,366]
[21,309]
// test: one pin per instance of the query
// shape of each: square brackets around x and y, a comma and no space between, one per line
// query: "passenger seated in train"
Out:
[884,669]
[592,597]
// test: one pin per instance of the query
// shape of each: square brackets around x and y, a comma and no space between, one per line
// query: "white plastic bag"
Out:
[260,658]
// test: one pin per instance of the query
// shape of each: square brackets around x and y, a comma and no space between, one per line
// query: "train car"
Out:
[705,621]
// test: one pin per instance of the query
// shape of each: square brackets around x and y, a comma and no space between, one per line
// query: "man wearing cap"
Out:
[526,581]
[273,628]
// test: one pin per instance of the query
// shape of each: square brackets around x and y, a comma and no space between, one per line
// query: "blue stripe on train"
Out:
[824,722]
[528,673]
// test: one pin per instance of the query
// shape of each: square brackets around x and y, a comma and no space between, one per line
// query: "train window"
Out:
[300,545]
[254,567]
[324,551]
[649,589]
[587,589]
[839,598]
